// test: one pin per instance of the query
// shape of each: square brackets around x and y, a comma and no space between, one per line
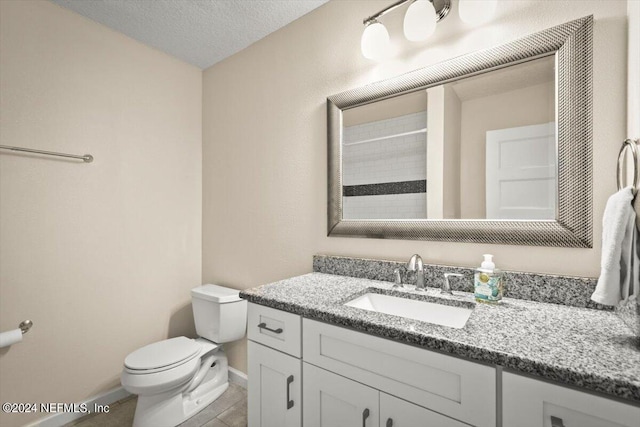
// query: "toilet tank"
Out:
[219,313]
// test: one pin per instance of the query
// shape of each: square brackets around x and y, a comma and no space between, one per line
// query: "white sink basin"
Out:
[439,314]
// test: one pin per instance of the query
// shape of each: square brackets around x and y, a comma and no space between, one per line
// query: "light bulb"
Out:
[420,20]
[476,11]
[375,41]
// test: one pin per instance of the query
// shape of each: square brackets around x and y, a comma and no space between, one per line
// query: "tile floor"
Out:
[229,410]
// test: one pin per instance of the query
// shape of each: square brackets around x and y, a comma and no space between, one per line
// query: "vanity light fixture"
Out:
[419,22]
[375,40]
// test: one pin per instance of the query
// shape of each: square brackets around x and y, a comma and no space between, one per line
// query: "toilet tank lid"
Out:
[216,293]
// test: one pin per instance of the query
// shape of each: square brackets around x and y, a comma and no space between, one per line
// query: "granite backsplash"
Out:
[565,290]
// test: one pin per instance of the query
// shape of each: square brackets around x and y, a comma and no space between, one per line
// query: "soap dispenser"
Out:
[488,286]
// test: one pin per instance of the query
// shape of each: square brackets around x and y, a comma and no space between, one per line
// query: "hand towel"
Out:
[619,264]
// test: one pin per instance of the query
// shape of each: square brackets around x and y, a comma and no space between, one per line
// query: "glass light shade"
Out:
[420,20]
[476,11]
[375,41]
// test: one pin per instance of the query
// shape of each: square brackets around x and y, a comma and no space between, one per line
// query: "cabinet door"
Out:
[532,403]
[396,412]
[334,401]
[275,388]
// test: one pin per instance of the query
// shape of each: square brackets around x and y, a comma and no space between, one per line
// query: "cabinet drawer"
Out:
[275,328]
[533,403]
[456,388]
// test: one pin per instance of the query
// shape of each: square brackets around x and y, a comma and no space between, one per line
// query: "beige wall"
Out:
[386,109]
[435,152]
[453,153]
[532,105]
[100,256]
[264,139]
[633,75]
[443,153]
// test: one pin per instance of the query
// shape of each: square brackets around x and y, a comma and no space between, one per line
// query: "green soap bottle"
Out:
[487,283]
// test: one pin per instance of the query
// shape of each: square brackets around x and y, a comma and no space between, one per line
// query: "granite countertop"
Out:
[586,348]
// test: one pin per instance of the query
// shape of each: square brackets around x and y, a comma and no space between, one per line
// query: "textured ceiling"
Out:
[201,32]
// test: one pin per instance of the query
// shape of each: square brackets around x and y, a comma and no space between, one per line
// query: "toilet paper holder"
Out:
[14,336]
[25,325]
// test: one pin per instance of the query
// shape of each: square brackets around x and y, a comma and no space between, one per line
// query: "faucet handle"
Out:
[398,279]
[446,288]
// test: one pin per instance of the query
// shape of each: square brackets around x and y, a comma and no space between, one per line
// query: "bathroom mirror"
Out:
[491,147]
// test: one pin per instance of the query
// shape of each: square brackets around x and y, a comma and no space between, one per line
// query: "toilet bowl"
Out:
[176,378]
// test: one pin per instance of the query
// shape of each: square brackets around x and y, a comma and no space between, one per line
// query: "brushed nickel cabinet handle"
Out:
[289,401]
[365,415]
[264,326]
[556,422]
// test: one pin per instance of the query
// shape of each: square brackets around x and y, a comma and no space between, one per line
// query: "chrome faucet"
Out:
[415,264]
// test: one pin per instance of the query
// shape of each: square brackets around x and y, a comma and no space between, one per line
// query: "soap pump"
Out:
[488,285]
[488,264]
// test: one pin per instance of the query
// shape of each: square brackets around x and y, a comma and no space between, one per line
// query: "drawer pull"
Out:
[264,326]
[556,422]
[289,381]
[389,422]
[365,415]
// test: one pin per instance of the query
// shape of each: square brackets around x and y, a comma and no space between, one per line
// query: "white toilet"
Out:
[176,378]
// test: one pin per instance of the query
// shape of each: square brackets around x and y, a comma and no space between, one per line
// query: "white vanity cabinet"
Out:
[275,378]
[353,379]
[307,373]
[533,403]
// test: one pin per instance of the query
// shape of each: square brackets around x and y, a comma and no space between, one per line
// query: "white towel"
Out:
[619,265]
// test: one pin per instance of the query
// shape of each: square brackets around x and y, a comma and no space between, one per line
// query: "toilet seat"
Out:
[177,366]
[162,355]
[158,382]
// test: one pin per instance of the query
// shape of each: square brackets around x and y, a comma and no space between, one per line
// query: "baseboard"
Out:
[238,377]
[58,420]
[112,396]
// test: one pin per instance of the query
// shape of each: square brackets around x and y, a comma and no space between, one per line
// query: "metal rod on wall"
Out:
[87,158]
[633,145]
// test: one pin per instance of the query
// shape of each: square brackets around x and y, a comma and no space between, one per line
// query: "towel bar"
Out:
[633,145]
[87,158]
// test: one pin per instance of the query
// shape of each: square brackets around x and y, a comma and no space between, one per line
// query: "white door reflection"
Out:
[522,179]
